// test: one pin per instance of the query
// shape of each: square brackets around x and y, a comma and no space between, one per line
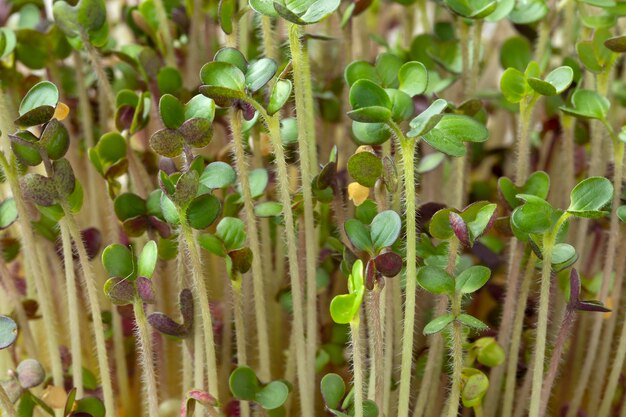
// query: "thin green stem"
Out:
[144,350]
[549,240]
[516,338]
[72,312]
[357,364]
[35,270]
[464,39]
[273,125]
[377,353]
[304,111]
[457,340]
[408,159]
[433,363]
[555,360]
[512,299]
[89,281]
[457,365]
[475,68]
[205,310]
[240,334]
[103,79]
[608,335]
[121,364]
[255,246]
[527,106]
[269,47]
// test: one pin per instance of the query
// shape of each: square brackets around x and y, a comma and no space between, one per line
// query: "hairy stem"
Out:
[72,312]
[516,338]
[304,111]
[357,363]
[433,362]
[240,335]
[408,159]
[457,338]
[513,298]
[273,125]
[555,360]
[255,246]
[269,48]
[377,353]
[121,364]
[35,270]
[523,140]
[608,334]
[103,79]
[457,362]
[89,281]
[542,319]
[205,309]
[144,350]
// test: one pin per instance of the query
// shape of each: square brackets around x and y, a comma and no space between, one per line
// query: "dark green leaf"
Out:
[244,384]
[279,96]
[472,322]
[118,261]
[588,104]
[333,390]
[438,324]
[435,280]
[259,73]
[231,232]
[385,229]
[273,395]
[427,119]
[55,139]
[43,93]
[218,175]
[223,74]
[359,235]
[413,78]
[172,111]
[590,195]
[202,211]
[472,279]
[365,168]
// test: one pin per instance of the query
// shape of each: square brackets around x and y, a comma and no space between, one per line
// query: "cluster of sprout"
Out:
[312,207]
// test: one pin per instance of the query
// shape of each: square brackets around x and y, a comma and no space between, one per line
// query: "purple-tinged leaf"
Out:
[93,241]
[370,274]
[145,289]
[389,264]
[186,306]
[592,305]
[193,397]
[574,289]
[120,291]
[459,228]
[166,325]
